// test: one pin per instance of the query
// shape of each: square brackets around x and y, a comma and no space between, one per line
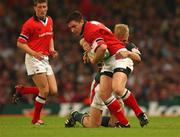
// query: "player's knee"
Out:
[44,93]
[119,90]
[53,91]
[44,87]
[103,96]
[44,90]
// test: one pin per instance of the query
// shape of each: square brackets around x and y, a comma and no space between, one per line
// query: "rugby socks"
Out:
[129,100]
[115,108]
[105,121]
[27,90]
[38,104]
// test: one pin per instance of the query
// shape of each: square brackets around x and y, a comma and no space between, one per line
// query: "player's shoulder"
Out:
[93,26]
[95,23]
[28,21]
[49,17]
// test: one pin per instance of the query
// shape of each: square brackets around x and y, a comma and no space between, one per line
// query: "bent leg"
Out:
[52,84]
[95,118]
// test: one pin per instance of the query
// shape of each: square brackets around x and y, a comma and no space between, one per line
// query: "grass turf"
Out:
[18,126]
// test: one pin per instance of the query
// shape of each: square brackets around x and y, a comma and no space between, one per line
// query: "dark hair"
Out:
[39,1]
[76,16]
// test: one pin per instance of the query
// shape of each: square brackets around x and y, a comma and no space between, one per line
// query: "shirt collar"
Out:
[82,31]
[37,19]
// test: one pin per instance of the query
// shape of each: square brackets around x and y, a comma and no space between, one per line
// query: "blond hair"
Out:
[121,30]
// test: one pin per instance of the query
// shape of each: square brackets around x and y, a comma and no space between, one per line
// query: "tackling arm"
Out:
[134,56]
[99,54]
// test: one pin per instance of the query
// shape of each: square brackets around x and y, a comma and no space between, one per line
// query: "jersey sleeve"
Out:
[52,25]
[97,40]
[25,33]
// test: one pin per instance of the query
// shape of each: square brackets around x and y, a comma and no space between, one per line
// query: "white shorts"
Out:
[96,100]
[35,66]
[112,63]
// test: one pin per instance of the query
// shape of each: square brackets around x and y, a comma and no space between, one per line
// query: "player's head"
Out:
[121,31]
[75,22]
[41,7]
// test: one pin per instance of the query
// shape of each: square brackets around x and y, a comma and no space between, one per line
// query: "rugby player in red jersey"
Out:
[36,39]
[97,106]
[116,69]
[100,38]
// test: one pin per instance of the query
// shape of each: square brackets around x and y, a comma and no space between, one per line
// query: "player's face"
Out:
[41,10]
[126,37]
[76,27]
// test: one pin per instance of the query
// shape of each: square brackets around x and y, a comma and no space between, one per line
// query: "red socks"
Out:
[116,109]
[39,102]
[131,102]
[27,90]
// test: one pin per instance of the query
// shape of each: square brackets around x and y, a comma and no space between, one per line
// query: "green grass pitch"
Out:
[19,126]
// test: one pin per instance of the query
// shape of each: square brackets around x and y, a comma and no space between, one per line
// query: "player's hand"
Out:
[53,53]
[38,55]
[123,54]
[86,57]
[91,59]
[85,45]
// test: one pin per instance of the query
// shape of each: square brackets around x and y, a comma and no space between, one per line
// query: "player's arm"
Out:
[99,54]
[132,52]
[129,54]
[135,53]
[28,50]
[134,56]
[52,51]
[23,39]
[86,47]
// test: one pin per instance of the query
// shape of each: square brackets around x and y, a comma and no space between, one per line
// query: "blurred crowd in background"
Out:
[154,28]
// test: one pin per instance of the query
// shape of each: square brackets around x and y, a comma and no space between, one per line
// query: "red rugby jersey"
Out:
[37,34]
[95,33]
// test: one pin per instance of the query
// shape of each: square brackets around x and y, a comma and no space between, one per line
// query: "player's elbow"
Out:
[18,44]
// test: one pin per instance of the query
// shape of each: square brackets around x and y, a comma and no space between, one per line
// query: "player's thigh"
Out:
[52,84]
[95,117]
[119,82]
[105,87]
[41,82]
